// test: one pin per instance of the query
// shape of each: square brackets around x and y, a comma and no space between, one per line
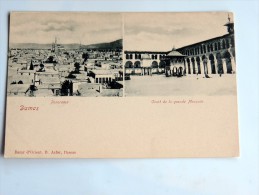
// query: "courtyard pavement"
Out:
[190,85]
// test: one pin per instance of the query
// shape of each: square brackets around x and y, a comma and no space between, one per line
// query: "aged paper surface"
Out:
[121,85]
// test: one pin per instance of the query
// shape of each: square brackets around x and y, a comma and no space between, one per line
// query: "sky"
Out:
[68,27]
[163,31]
[142,31]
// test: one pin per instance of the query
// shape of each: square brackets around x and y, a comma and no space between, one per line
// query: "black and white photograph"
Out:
[179,54]
[65,54]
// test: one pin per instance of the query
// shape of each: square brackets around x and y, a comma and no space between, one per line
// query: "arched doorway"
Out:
[154,64]
[220,69]
[198,64]
[193,66]
[128,64]
[161,66]
[212,62]
[136,68]
[128,67]
[154,67]
[137,64]
[180,71]
[227,56]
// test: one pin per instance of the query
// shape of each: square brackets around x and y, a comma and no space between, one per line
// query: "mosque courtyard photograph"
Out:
[179,54]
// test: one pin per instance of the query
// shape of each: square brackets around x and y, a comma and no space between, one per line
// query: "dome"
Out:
[175,53]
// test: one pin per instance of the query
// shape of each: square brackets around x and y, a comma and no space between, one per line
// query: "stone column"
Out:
[224,65]
[205,68]
[190,67]
[233,63]
[195,66]
[202,67]
[216,65]
[209,67]
[185,66]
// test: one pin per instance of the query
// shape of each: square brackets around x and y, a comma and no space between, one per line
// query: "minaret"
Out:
[230,26]
[80,46]
[55,49]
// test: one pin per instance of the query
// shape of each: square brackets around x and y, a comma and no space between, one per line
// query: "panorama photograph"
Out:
[65,54]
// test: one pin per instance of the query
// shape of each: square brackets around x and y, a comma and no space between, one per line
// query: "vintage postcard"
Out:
[121,85]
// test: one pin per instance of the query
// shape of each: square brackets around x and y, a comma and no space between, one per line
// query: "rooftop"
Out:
[101,72]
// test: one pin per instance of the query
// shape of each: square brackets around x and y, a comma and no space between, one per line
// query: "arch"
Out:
[180,71]
[227,56]
[216,46]
[129,64]
[193,66]
[227,43]
[220,69]
[219,46]
[198,64]
[208,48]
[162,64]
[204,49]
[223,44]
[137,64]
[212,62]
[154,64]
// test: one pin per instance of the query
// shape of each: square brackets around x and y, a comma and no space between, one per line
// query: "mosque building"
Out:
[212,56]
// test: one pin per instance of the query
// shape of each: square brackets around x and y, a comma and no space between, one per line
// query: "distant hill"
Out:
[111,45]
[29,46]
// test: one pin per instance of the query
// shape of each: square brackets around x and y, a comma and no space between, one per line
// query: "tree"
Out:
[77,67]
[51,59]
[31,66]
[41,69]
[85,56]
[67,88]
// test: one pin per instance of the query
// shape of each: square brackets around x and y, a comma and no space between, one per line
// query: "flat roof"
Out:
[101,72]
